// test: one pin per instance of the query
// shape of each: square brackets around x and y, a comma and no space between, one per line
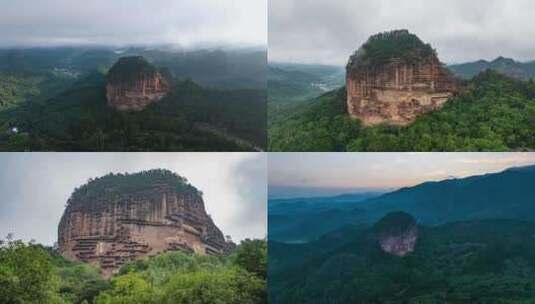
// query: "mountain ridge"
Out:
[523,70]
[470,198]
[451,263]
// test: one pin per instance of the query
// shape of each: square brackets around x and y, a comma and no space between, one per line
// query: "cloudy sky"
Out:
[336,173]
[35,187]
[319,31]
[189,23]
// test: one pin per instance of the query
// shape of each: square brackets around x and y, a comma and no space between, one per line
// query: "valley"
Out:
[54,99]
[492,110]
[458,240]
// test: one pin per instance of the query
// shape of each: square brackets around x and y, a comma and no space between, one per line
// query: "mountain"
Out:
[118,218]
[490,261]
[300,220]
[493,112]
[289,82]
[74,114]
[507,66]
[219,68]
[133,83]
[292,84]
[393,78]
[503,195]
[396,233]
[462,240]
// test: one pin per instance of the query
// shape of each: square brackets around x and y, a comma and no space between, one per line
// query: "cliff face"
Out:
[397,233]
[400,244]
[109,228]
[395,87]
[133,84]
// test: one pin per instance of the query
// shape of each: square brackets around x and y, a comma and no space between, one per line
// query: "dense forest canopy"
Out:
[489,261]
[33,274]
[394,223]
[55,100]
[493,113]
[189,118]
[381,48]
[130,69]
[14,90]
[120,184]
[475,244]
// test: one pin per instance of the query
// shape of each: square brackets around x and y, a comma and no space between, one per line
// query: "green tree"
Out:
[26,274]
[130,288]
[219,286]
[252,256]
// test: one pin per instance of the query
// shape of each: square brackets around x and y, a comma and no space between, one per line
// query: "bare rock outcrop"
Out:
[394,78]
[133,83]
[397,233]
[119,218]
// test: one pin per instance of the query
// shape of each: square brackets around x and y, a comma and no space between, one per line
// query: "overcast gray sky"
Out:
[34,187]
[335,173]
[189,23]
[321,31]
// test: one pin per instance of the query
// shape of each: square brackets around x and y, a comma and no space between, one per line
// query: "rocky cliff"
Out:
[393,78]
[133,83]
[119,218]
[397,233]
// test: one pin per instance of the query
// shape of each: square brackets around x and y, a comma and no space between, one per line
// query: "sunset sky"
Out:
[335,173]
[35,187]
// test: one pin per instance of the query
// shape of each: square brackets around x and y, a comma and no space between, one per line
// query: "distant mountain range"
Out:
[291,82]
[475,244]
[507,66]
[504,195]
[55,99]
[305,219]
[291,85]
[221,68]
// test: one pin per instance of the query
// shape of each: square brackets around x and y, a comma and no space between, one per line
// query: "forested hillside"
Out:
[80,120]
[54,100]
[465,262]
[493,113]
[507,66]
[31,273]
[292,85]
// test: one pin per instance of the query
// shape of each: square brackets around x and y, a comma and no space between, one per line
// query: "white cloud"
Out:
[118,22]
[320,31]
[35,187]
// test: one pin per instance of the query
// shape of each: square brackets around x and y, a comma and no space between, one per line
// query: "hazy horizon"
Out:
[346,171]
[36,187]
[285,192]
[162,47]
[186,23]
[343,65]
[328,32]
